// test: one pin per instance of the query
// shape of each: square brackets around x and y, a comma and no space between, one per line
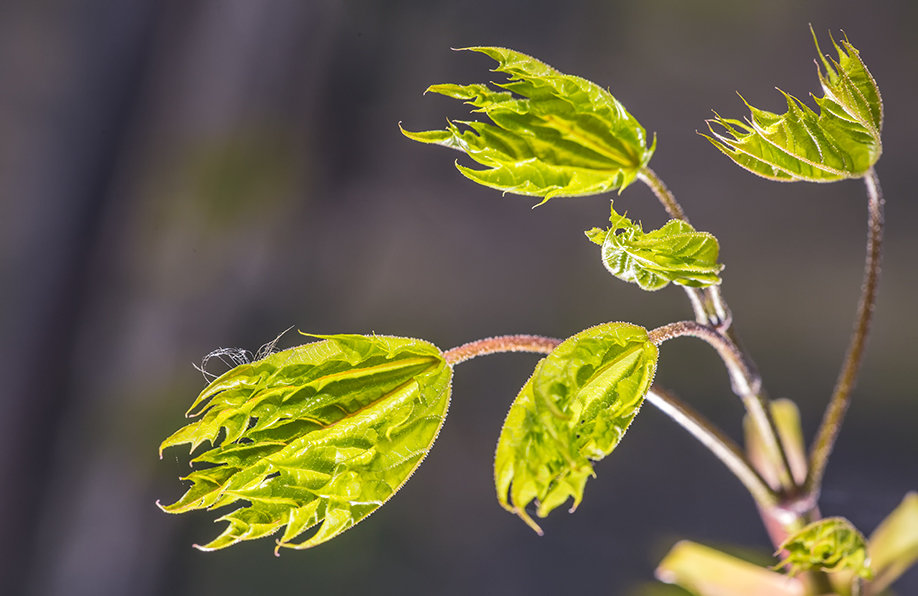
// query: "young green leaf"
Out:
[786,416]
[323,433]
[830,544]
[893,546]
[551,134]
[705,571]
[842,141]
[574,409]
[674,253]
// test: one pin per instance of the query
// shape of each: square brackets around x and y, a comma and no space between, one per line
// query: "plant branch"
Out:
[709,307]
[744,379]
[711,311]
[717,442]
[745,382]
[666,197]
[504,343]
[841,396]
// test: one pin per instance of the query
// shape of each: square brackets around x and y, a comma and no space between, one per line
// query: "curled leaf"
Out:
[323,433]
[550,134]
[841,141]
[574,410]
[830,544]
[674,253]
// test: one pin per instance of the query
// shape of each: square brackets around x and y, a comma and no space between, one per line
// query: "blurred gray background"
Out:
[181,176]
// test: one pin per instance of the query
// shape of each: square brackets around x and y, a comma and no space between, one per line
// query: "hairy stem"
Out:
[666,197]
[746,383]
[504,343]
[709,307]
[841,396]
[743,377]
[712,311]
[717,443]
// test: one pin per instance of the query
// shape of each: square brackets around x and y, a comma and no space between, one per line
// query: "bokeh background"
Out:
[181,176]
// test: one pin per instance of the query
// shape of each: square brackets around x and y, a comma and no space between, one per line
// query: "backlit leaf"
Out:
[705,571]
[550,134]
[323,433]
[841,141]
[830,544]
[674,253]
[574,409]
[893,546]
[786,416]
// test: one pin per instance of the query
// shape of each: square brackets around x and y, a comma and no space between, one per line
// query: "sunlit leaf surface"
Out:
[705,571]
[830,544]
[550,134]
[323,433]
[841,141]
[574,409]
[674,253]
[893,546]
[786,416]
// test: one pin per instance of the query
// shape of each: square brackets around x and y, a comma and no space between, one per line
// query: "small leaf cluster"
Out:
[830,544]
[319,436]
[674,253]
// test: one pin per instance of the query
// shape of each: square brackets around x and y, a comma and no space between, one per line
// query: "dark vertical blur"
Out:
[177,177]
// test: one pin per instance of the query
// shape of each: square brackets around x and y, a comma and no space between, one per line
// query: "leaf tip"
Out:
[544,200]
[521,513]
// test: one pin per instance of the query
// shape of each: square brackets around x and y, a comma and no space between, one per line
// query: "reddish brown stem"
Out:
[841,397]
[503,343]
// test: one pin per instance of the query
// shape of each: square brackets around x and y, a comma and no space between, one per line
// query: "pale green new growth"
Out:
[551,134]
[704,571]
[830,544]
[842,141]
[316,438]
[893,546]
[321,433]
[574,409]
[674,253]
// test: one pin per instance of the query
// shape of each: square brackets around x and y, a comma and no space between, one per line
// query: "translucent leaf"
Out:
[550,134]
[841,141]
[323,433]
[893,546]
[787,422]
[830,544]
[574,409]
[705,571]
[674,253]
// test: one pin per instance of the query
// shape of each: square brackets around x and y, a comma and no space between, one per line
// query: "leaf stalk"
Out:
[713,314]
[717,443]
[504,343]
[666,197]
[841,395]
[709,307]
[745,382]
